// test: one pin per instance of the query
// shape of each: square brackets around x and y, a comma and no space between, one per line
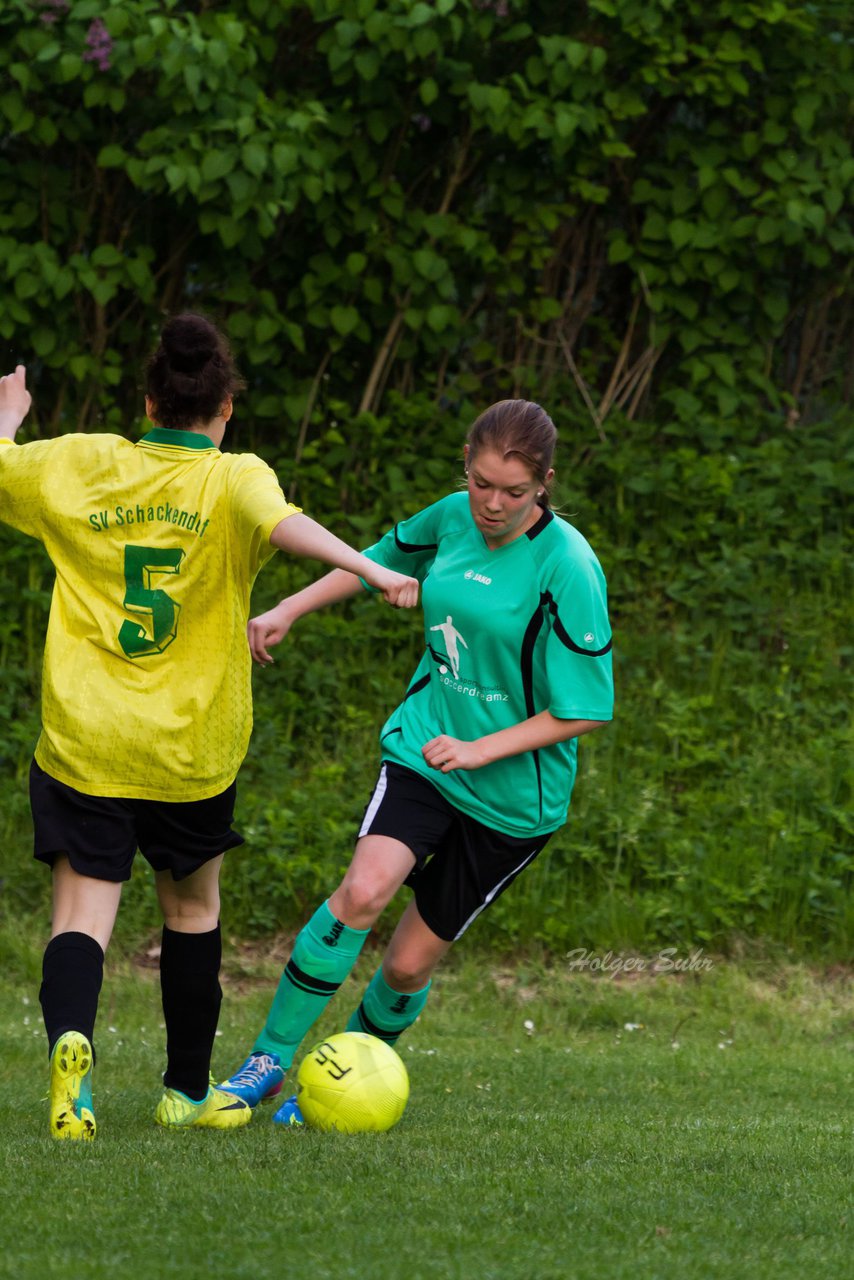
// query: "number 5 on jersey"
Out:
[141,566]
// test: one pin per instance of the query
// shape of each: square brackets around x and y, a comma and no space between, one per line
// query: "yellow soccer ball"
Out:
[352,1082]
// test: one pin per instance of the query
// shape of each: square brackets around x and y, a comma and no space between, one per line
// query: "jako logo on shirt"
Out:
[477,577]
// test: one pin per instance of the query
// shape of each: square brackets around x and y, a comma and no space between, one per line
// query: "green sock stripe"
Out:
[324,952]
[387,1013]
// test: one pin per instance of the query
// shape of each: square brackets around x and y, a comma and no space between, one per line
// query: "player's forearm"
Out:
[542,730]
[302,536]
[331,589]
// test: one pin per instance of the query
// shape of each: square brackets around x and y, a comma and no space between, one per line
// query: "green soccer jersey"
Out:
[509,632]
[146,688]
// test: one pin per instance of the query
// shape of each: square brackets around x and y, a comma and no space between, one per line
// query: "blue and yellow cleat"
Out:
[289,1114]
[258,1080]
[219,1110]
[71,1114]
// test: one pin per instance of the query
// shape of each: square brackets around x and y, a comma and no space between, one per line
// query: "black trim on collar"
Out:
[544,520]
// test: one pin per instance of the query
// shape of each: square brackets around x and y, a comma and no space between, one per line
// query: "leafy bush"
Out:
[650,200]
[637,212]
[717,805]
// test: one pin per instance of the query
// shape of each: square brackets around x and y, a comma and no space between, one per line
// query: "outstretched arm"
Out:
[305,537]
[270,628]
[15,401]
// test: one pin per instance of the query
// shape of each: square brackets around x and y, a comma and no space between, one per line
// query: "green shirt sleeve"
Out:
[578,657]
[410,547]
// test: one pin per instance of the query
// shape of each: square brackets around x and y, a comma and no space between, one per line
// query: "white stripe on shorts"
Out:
[376,801]
[492,893]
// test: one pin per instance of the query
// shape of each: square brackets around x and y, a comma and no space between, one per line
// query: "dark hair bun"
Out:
[191,374]
[190,342]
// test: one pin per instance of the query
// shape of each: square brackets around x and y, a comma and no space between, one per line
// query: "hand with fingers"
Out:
[446,754]
[398,590]
[15,401]
[266,630]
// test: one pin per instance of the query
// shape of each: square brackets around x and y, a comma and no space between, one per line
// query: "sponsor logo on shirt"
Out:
[453,639]
[163,513]
[448,662]
[477,577]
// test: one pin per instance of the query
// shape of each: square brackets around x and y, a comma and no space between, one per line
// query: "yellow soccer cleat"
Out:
[71,1114]
[219,1110]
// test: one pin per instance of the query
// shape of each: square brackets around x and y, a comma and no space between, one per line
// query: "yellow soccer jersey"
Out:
[146,682]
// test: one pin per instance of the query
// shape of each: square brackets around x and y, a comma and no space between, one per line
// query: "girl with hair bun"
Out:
[146,694]
[478,760]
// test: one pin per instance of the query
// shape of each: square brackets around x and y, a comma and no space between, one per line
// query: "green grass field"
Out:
[712,1136]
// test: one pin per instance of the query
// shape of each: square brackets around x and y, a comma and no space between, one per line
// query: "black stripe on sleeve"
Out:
[564,636]
[412,547]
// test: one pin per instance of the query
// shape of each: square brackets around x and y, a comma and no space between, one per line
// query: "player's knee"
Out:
[406,973]
[190,917]
[358,901]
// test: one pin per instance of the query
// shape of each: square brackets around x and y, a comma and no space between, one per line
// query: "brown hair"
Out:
[192,373]
[518,427]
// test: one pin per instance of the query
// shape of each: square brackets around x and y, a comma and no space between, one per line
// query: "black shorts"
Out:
[461,866]
[101,834]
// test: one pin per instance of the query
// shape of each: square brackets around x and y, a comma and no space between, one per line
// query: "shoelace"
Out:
[262,1063]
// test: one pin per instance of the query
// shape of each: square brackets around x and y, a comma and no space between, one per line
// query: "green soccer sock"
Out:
[386,1013]
[324,953]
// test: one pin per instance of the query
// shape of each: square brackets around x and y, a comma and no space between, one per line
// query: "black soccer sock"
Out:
[72,973]
[189,984]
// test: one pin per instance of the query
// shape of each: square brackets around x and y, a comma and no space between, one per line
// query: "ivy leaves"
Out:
[640,205]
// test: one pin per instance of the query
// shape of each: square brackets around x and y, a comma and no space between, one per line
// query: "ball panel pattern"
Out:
[354,1083]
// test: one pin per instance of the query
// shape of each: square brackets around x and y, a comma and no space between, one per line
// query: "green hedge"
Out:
[649,198]
[717,806]
[638,212]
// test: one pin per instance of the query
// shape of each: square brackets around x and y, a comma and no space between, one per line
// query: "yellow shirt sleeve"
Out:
[257,505]
[22,470]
